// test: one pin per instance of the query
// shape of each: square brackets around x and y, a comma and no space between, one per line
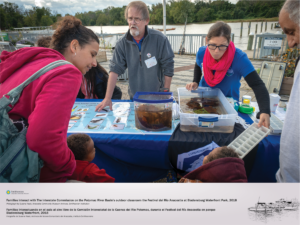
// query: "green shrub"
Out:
[258,71]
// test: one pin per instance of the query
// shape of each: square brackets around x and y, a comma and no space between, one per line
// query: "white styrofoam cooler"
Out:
[207,122]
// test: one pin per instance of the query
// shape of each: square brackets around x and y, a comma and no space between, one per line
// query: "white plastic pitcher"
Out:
[274,100]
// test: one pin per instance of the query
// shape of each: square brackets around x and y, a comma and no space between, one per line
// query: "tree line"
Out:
[12,16]
[178,10]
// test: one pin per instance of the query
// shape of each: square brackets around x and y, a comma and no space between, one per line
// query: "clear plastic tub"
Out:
[222,121]
[153,110]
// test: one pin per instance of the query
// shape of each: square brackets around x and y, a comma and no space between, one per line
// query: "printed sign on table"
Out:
[119,121]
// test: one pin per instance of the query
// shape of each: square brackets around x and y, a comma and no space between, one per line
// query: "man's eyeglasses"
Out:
[136,20]
[214,47]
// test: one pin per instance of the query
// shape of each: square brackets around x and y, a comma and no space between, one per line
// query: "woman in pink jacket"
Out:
[47,102]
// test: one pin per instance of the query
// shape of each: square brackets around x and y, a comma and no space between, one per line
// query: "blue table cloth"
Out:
[131,158]
[144,158]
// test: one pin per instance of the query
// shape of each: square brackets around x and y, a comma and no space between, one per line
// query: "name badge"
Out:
[151,62]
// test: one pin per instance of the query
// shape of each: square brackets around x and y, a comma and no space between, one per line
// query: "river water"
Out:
[240,42]
[198,29]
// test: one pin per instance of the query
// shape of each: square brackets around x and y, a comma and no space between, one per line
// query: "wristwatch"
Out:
[164,90]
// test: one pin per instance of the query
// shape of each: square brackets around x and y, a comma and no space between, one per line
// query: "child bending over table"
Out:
[83,148]
[221,165]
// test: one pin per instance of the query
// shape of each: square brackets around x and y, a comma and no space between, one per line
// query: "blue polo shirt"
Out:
[138,44]
[230,85]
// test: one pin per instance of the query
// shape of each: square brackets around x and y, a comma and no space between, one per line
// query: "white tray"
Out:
[276,124]
[247,140]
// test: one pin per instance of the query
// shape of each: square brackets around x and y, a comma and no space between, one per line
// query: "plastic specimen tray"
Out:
[247,140]
[220,123]
[276,124]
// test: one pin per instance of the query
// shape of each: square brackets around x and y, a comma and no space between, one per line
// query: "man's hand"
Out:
[104,103]
[264,120]
[192,86]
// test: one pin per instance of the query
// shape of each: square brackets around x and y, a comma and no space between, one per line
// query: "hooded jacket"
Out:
[219,170]
[90,172]
[46,103]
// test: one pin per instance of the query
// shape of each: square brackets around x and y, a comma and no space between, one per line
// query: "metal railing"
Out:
[29,36]
[7,46]
[268,53]
[192,41]
[107,41]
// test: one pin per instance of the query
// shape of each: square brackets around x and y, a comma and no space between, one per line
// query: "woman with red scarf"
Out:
[223,65]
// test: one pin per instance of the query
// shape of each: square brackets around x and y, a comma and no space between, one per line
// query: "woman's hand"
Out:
[264,120]
[192,86]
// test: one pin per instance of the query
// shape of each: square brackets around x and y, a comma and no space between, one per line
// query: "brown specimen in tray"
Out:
[195,102]
[202,103]
[149,117]
[149,108]
[196,99]
[210,103]
[193,105]
[205,101]
[211,110]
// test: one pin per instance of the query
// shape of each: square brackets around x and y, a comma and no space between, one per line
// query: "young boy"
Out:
[220,165]
[83,148]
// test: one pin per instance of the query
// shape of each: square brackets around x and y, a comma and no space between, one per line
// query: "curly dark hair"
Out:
[68,29]
[223,153]
[44,42]
[78,144]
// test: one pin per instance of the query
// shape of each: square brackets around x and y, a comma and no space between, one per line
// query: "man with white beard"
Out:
[146,53]
[289,20]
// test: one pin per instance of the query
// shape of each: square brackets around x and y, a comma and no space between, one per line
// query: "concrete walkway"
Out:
[183,74]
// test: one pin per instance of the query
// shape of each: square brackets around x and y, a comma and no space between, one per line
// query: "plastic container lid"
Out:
[246,101]
[244,108]
[153,97]
[246,96]
[284,100]
[274,96]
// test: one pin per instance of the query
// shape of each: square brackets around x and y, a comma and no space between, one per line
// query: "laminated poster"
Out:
[121,120]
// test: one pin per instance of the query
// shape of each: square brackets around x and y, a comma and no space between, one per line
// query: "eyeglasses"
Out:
[214,47]
[136,20]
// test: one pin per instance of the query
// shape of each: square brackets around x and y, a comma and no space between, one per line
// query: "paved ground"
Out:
[184,73]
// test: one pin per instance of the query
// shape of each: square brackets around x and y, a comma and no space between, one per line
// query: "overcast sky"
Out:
[73,6]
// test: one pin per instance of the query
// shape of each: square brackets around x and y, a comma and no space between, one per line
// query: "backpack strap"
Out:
[15,93]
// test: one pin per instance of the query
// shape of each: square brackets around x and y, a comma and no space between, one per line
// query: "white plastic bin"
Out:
[223,123]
